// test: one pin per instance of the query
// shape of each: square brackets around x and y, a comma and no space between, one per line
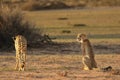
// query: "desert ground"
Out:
[51,66]
[49,62]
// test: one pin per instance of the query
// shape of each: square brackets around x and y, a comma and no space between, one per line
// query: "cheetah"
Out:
[87,52]
[21,50]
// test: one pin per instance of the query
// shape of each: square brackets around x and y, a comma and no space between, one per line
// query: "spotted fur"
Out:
[21,50]
[87,52]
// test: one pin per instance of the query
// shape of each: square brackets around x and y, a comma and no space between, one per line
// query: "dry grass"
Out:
[95,41]
[106,17]
[100,23]
[48,67]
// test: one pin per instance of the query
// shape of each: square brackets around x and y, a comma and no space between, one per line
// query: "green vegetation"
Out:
[99,23]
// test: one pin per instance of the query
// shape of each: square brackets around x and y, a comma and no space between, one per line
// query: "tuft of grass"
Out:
[66,31]
[62,18]
[79,25]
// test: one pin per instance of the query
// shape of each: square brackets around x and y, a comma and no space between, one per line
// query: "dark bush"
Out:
[33,5]
[55,5]
[12,23]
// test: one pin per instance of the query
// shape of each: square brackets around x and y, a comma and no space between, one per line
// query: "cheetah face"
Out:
[81,38]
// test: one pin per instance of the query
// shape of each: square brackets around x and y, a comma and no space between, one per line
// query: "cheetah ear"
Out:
[13,38]
[78,35]
[85,36]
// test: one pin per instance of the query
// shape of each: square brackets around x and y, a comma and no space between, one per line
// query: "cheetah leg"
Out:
[17,62]
[17,59]
[87,63]
[94,64]
[24,56]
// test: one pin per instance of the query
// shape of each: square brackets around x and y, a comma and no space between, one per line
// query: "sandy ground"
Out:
[51,63]
[51,67]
